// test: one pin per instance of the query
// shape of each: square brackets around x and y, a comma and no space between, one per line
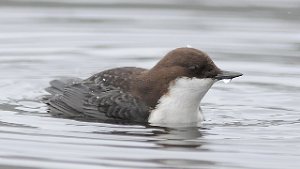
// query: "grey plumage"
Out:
[95,98]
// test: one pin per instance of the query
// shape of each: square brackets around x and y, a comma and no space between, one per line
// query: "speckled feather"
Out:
[102,96]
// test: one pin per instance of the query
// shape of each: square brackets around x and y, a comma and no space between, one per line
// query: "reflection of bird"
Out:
[170,92]
[180,137]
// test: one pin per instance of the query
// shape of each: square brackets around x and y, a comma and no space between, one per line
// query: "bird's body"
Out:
[170,92]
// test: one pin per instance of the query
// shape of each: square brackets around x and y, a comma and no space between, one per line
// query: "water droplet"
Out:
[188,46]
[226,81]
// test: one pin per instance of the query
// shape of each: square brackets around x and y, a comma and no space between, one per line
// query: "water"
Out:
[252,122]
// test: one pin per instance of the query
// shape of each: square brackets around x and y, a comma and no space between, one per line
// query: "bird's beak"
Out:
[227,75]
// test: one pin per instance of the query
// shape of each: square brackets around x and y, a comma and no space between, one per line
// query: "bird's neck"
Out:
[151,85]
[181,104]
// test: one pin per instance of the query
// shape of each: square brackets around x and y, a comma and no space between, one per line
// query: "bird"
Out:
[168,93]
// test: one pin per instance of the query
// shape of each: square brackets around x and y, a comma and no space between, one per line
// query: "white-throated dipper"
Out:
[170,92]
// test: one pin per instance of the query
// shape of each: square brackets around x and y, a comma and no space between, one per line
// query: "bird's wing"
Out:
[98,101]
[115,104]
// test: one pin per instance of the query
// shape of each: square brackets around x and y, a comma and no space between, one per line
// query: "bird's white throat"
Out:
[182,102]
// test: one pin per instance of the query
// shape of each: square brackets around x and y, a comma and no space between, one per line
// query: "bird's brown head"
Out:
[188,62]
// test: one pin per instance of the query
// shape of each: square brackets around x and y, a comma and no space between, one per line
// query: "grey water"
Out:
[252,122]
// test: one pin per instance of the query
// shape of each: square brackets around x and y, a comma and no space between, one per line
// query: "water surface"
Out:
[253,122]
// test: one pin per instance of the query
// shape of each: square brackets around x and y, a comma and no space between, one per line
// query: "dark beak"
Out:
[227,75]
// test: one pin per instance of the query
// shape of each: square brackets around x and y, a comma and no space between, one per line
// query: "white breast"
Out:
[182,102]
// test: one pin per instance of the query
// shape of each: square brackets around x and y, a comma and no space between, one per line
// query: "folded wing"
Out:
[74,98]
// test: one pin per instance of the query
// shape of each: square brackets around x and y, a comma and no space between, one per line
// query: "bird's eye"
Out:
[193,67]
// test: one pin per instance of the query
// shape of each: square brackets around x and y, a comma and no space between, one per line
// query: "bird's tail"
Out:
[58,86]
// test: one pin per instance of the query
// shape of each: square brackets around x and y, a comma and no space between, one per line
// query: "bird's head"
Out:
[193,63]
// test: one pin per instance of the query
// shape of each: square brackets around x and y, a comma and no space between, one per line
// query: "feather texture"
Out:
[102,96]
